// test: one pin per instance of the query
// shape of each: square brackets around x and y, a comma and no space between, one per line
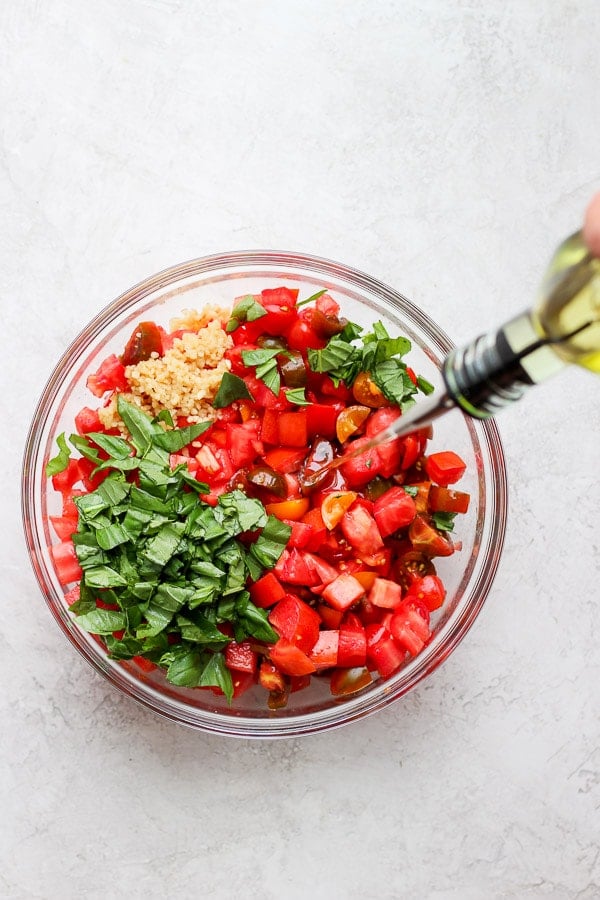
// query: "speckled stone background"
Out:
[444,147]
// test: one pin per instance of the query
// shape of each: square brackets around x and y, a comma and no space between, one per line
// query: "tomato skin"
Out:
[145,340]
[395,509]
[266,591]
[280,296]
[443,499]
[445,467]
[243,443]
[296,621]
[288,509]
[428,590]
[426,539]
[270,677]
[144,664]
[303,337]
[409,629]
[349,681]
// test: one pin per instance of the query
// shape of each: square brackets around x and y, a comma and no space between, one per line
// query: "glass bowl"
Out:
[467,574]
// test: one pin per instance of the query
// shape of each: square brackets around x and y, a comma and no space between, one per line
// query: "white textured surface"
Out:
[444,147]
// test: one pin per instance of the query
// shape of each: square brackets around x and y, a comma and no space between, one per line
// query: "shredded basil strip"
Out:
[232,388]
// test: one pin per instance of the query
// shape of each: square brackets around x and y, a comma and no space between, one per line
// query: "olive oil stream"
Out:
[496,369]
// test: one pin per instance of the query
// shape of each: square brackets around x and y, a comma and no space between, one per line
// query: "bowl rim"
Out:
[308,722]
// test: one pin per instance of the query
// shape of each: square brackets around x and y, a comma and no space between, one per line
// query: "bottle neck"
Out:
[496,369]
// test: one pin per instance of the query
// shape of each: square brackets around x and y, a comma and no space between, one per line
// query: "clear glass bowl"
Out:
[467,574]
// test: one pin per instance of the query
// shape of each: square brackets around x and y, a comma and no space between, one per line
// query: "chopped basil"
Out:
[232,388]
[297,396]
[247,310]
[443,521]
[59,462]
[312,298]
[173,565]
[378,354]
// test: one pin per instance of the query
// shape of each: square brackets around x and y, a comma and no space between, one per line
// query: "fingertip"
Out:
[591,226]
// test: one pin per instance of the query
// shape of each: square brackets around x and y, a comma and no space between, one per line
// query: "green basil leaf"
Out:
[59,462]
[297,396]
[312,298]
[102,621]
[424,386]
[443,521]
[138,424]
[232,388]
[247,310]
[216,674]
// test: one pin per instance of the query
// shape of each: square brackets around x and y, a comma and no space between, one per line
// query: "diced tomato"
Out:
[293,568]
[146,665]
[325,572]
[292,429]
[289,659]
[382,650]
[385,593]
[64,526]
[145,340]
[242,682]
[338,392]
[327,305]
[64,481]
[409,629]
[266,591]
[321,420]
[88,420]
[243,443]
[69,509]
[281,296]
[284,460]
[324,654]
[411,450]
[362,468]
[343,592]
[302,336]
[109,377]
[381,419]
[91,481]
[301,534]
[269,429]
[234,355]
[319,532]
[66,562]
[445,468]
[352,647]
[428,590]
[366,578]
[332,618]
[297,621]
[443,499]
[393,510]
[299,682]
[270,677]
[390,457]
[421,498]
[289,509]
[241,657]
[360,529]
[426,539]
